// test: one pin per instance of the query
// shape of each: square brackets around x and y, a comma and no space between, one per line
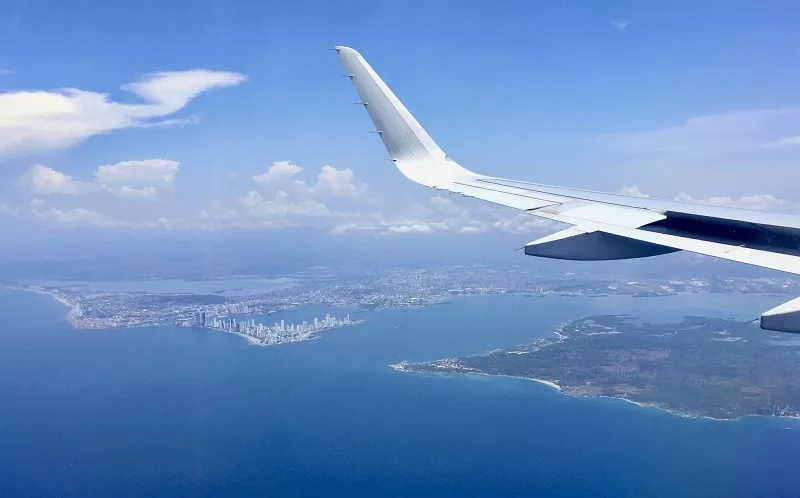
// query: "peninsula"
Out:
[698,367]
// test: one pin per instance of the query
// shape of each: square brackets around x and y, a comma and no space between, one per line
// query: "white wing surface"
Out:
[603,226]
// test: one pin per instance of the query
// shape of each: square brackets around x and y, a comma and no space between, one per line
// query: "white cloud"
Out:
[418,227]
[446,206]
[126,192]
[330,180]
[43,120]
[73,217]
[759,201]
[334,202]
[336,181]
[440,214]
[632,191]
[439,201]
[6,72]
[146,172]
[293,202]
[522,224]
[127,179]
[355,226]
[47,181]
[620,23]
[279,171]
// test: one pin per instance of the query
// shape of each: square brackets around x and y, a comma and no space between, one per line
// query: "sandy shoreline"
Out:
[640,404]
[250,339]
[549,383]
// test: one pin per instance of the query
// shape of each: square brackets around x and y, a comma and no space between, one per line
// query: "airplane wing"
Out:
[603,226]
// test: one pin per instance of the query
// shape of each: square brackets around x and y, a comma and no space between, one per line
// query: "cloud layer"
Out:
[280,198]
[330,199]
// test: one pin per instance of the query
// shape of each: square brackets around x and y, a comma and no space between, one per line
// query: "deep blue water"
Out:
[177,412]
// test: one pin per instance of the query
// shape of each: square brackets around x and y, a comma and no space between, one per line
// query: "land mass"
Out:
[699,367]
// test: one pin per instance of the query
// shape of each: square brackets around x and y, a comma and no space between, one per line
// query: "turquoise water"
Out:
[170,412]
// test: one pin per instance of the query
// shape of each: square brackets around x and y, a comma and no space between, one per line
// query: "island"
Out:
[698,367]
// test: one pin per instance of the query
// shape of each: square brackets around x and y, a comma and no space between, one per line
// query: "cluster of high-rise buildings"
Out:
[271,334]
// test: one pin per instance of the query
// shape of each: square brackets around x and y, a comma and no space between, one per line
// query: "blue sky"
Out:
[694,100]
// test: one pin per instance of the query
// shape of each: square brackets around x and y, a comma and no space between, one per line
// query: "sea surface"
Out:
[187,412]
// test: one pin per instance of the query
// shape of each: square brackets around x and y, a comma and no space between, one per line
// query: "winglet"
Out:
[409,145]
[783,318]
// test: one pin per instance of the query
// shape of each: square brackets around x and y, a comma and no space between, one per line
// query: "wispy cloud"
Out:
[761,202]
[734,131]
[43,120]
[73,217]
[620,23]
[785,142]
[7,210]
[191,120]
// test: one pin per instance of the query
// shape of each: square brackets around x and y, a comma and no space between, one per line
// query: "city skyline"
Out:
[268,335]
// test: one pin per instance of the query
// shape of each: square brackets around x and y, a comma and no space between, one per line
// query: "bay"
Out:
[173,412]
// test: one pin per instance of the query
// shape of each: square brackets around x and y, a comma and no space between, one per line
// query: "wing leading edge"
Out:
[603,226]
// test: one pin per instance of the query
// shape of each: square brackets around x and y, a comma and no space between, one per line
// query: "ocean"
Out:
[186,412]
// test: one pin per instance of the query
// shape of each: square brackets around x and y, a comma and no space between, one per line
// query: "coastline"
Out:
[253,341]
[561,337]
[73,307]
[548,383]
[640,404]
[74,313]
